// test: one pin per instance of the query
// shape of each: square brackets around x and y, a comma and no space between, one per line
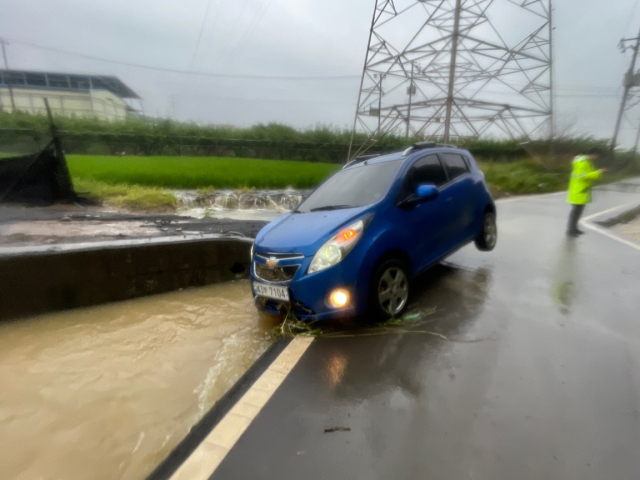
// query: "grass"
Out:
[132,197]
[199,172]
[527,177]
[524,177]
[410,323]
[142,183]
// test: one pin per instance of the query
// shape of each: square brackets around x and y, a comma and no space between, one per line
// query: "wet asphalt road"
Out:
[541,378]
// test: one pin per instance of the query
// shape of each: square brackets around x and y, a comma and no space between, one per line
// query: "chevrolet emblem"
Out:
[272,262]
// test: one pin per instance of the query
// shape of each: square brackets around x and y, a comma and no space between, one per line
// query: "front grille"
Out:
[280,256]
[276,274]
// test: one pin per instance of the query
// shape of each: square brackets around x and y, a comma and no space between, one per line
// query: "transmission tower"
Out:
[456,69]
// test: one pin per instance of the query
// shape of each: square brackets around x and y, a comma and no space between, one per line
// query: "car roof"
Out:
[391,157]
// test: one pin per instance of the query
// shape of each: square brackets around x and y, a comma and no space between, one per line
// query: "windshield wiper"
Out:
[330,207]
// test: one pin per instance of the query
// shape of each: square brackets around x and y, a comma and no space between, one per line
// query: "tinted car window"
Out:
[354,187]
[456,165]
[427,170]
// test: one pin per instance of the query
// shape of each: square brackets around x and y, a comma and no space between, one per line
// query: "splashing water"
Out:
[241,205]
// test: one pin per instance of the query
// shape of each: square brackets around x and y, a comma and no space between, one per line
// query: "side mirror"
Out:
[426,192]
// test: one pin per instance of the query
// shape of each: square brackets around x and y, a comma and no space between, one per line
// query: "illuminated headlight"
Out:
[338,247]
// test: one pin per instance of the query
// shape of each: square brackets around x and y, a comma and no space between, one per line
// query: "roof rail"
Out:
[425,145]
[364,158]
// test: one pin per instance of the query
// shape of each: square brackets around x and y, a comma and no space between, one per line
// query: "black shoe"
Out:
[579,232]
[574,234]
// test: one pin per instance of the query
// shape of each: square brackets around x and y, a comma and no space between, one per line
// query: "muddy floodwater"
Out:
[107,392]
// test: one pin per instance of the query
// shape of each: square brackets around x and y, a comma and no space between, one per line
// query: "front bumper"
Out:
[309,293]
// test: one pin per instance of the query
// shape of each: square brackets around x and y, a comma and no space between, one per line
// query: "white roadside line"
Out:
[206,458]
[619,207]
[607,233]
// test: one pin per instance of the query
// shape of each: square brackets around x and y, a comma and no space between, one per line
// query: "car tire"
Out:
[488,236]
[390,289]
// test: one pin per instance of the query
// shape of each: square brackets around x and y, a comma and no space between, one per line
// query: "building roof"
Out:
[65,81]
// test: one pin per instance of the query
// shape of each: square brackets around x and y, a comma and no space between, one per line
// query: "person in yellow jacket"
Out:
[582,178]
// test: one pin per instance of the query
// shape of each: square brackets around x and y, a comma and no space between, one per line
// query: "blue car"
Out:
[356,243]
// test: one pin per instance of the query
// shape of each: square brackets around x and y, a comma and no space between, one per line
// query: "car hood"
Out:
[304,232]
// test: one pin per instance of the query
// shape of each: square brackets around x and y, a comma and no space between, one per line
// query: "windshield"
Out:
[354,187]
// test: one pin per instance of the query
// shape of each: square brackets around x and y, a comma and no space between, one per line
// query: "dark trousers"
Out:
[574,217]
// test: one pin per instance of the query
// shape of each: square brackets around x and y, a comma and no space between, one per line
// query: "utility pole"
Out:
[411,89]
[628,85]
[6,65]
[552,124]
[452,70]
[635,148]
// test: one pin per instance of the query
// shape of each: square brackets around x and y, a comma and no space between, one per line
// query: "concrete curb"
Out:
[39,280]
[623,215]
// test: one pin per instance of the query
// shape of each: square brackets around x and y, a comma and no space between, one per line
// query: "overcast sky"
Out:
[287,38]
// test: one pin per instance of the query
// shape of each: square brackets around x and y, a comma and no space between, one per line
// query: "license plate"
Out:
[271,291]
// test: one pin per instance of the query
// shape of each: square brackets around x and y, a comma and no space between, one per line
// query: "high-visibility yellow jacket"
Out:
[582,178]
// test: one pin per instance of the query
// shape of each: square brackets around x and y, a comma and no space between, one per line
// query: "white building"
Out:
[69,95]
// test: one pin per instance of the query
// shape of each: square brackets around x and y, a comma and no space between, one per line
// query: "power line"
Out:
[184,72]
[204,21]
[253,24]
[233,29]
[284,77]
[633,12]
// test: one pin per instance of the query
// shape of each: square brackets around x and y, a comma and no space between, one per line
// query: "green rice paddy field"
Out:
[198,172]
[145,182]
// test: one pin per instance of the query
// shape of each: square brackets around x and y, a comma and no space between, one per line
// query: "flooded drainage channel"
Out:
[107,392]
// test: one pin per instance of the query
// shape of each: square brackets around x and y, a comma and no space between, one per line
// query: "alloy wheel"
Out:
[490,231]
[393,290]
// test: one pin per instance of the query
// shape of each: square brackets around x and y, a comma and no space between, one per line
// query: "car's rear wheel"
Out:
[488,237]
[390,286]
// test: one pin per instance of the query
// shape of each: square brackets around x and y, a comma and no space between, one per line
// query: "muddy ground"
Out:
[23,226]
[630,230]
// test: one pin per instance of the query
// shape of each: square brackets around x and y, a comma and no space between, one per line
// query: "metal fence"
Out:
[14,140]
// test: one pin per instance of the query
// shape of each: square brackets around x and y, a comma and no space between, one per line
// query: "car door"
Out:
[460,194]
[427,222]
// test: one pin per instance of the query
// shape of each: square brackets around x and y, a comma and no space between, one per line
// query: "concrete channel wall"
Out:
[44,279]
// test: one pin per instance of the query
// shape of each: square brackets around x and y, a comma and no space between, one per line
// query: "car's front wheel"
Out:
[390,289]
[488,237]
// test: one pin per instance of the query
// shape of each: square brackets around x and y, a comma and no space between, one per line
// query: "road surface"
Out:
[539,378]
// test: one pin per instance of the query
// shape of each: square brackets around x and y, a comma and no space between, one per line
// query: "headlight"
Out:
[338,247]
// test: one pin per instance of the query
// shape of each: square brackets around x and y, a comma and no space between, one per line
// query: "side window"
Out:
[456,164]
[426,170]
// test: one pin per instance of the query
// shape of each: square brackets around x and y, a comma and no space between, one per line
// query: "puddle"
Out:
[107,392]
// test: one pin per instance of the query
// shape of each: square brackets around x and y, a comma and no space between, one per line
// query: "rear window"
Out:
[456,165]
[353,187]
